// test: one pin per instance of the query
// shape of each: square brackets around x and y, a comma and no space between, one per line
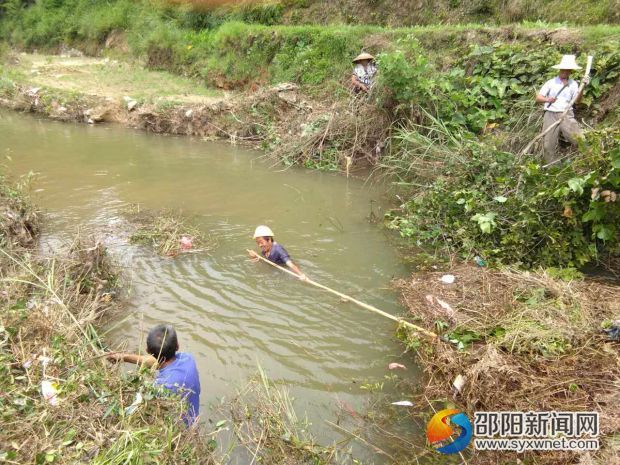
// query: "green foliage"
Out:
[471,192]
[512,211]
[481,88]
[6,84]
[463,338]
[565,274]
[237,54]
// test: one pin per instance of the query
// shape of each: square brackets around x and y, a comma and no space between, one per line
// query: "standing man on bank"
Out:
[557,95]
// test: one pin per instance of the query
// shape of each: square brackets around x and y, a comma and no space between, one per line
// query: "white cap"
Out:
[568,62]
[263,231]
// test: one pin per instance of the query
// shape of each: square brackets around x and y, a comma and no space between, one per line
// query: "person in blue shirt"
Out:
[176,371]
[272,251]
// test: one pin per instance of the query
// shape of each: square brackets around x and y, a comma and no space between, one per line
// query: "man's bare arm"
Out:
[357,84]
[542,99]
[296,269]
[136,359]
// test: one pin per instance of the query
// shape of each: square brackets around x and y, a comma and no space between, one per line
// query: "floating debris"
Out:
[613,332]
[169,233]
[135,404]
[186,243]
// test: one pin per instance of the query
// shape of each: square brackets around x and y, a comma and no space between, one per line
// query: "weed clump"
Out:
[351,133]
[169,233]
[19,219]
[266,425]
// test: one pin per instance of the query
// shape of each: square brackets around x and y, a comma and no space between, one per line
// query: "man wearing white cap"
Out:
[273,251]
[557,95]
[364,71]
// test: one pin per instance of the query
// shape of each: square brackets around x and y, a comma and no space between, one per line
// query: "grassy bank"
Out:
[412,12]
[50,310]
[237,51]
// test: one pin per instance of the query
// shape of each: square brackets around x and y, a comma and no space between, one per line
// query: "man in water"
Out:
[273,251]
[176,371]
[557,95]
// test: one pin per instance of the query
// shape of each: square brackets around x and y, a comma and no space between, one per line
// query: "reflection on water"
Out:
[231,313]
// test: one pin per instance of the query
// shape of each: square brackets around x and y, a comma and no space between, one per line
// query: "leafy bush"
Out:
[481,88]
[469,191]
[513,211]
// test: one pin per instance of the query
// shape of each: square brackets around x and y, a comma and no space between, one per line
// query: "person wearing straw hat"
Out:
[557,94]
[272,251]
[364,71]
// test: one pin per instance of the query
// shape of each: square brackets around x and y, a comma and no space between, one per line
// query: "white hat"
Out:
[568,62]
[263,231]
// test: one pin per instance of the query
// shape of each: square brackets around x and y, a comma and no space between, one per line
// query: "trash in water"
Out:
[403,403]
[394,366]
[49,391]
[186,243]
[447,278]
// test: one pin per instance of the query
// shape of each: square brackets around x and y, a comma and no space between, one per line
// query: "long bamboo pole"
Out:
[416,328]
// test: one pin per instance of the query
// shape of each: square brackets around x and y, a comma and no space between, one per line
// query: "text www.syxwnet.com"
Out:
[522,445]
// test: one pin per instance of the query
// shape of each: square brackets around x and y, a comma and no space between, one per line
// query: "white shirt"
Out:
[552,89]
[365,75]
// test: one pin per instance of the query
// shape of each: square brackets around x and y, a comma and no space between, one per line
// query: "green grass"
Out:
[110,78]
[234,49]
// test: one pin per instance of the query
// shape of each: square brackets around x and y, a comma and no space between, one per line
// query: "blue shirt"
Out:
[277,255]
[181,376]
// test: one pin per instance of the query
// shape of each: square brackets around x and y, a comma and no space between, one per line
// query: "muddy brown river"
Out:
[232,314]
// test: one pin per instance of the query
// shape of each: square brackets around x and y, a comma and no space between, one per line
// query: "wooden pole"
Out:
[416,328]
[581,87]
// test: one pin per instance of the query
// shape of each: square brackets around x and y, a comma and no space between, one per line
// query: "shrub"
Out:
[513,211]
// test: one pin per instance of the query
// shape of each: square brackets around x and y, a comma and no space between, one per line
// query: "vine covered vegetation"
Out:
[452,110]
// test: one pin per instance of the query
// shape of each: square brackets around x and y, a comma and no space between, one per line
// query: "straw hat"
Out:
[363,56]
[263,231]
[568,62]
